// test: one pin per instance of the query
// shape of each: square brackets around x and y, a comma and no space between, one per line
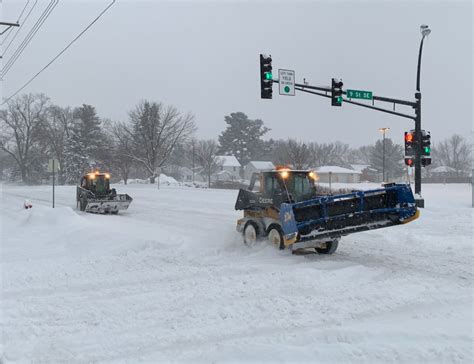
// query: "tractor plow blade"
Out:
[114,205]
[335,216]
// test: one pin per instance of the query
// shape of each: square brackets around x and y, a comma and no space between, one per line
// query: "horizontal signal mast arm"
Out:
[307,88]
[380,109]
[360,104]
[377,98]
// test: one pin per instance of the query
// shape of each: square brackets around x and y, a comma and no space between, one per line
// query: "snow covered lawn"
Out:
[170,280]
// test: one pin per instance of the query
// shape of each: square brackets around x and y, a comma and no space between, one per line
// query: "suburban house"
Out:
[336,174]
[443,171]
[257,166]
[367,173]
[229,169]
[182,174]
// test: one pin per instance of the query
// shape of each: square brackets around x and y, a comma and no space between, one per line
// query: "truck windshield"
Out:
[300,186]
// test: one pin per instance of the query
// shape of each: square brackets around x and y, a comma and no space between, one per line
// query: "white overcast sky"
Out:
[203,57]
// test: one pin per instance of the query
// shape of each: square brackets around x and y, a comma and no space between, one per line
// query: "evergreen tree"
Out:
[393,158]
[242,138]
[86,146]
[90,134]
[75,160]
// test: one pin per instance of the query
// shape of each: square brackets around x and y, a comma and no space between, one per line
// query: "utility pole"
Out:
[8,25]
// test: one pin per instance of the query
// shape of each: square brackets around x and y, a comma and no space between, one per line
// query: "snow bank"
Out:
[170,280]
[164,180]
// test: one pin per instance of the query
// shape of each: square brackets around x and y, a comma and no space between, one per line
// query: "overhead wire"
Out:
[60,53]
[10,29]
[24,8]
[39,23]
[19,28]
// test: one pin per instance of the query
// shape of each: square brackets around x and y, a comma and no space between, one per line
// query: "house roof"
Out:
[359,167]
[336,169]
[229,161]
[262,164]
[443,169]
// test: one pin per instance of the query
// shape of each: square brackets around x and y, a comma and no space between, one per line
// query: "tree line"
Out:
[158,138]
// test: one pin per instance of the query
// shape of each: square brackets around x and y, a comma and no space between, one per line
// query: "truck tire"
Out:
[251,233]
[275,236]
[331,247]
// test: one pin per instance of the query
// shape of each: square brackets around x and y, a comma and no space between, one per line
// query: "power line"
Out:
[59,54]
[28,38]
[39,23]
[9,30]
[18,30]
[19,16]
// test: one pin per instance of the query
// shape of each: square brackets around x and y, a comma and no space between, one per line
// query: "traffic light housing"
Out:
[425,143]
[266,77]
[425,161]
[336,92]
[409,144]
[409,161]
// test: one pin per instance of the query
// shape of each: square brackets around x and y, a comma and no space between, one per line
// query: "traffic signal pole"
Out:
[418,146]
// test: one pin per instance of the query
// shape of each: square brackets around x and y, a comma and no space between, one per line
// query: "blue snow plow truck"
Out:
[284,206]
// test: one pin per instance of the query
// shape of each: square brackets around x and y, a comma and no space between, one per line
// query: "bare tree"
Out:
[19,130]
[454,152]
[54,133]
[155,129]
[361,155]
[121,159]
[294,153]
[329,153]
[206,158]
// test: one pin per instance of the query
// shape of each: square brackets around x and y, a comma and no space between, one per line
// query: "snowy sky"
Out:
[203,57]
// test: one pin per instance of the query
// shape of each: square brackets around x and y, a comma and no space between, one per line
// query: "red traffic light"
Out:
[408,137]
[409,162]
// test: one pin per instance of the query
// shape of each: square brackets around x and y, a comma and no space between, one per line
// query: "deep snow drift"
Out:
[170,279]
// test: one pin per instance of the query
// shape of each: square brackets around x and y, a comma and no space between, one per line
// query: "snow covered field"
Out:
[170,280]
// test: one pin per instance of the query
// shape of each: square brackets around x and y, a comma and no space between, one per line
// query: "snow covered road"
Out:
[170,280]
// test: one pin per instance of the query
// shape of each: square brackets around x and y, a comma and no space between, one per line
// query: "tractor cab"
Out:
[272,188]
[292,185]
[97,183]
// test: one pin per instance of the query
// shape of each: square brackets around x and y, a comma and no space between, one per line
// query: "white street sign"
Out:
[50,166]
[286,80]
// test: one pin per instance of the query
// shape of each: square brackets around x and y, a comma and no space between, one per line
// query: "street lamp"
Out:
[383,131]
[425,31]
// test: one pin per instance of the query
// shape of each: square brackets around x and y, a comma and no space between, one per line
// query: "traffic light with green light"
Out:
[425,143]
[266,77]
[336,92]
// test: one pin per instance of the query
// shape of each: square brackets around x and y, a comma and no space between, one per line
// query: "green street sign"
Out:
[359,94]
